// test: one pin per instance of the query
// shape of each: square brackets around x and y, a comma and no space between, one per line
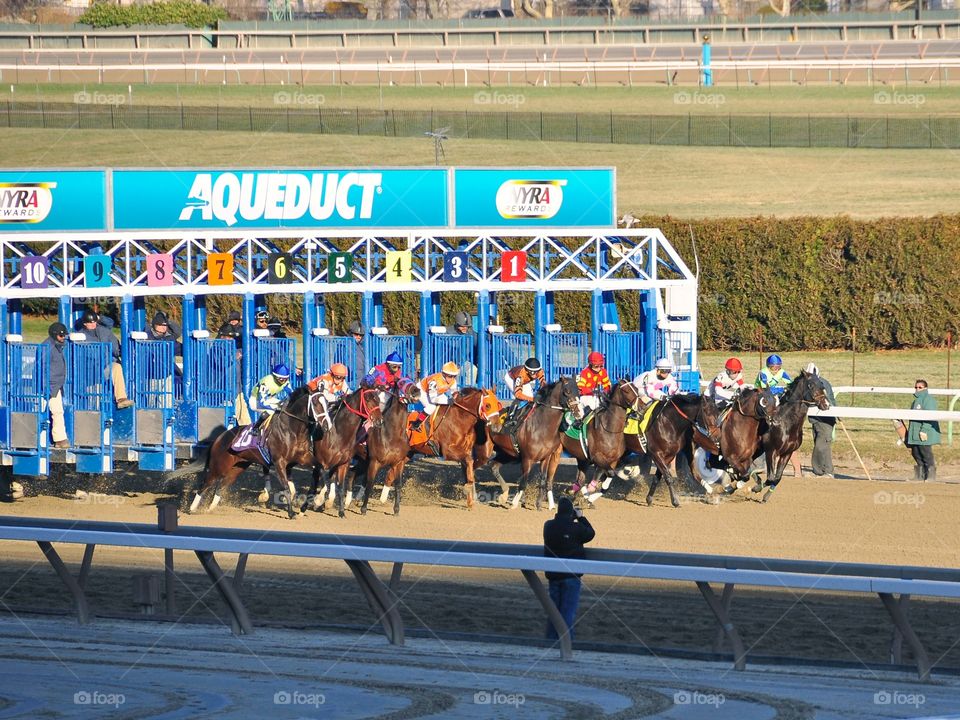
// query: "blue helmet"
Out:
[394,358]
[774,360]
[281,371]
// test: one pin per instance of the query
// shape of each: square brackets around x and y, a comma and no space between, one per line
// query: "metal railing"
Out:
[359,551]
[679,129]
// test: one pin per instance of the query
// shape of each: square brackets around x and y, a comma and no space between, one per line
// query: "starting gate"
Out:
[27,392]
[507,350]
[218,385]
[624,353]
[564,354]
[325,350]
[442,347]
[153,396]
[89,368]
[382,345]
[271,351]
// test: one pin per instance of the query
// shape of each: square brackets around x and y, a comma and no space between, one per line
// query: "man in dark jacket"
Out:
[57,342]
[463,326]
[360,368]
[93,331]
[564,537]
[922,435]
[821,462]
[163,328]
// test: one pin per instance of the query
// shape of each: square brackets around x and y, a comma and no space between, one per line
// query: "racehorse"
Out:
[667,433]
[387,444]
[603,442]
[739,437]
[786,428]
[459,434]
[287,438]
[537,439]
[335,449]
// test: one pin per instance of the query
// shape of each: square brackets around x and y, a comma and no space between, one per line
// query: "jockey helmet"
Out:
[88,317]
[394,358]
[774,360]
[281,372]
[595,358]
[338,370]
[450,368]
[664,364]
[734,365]
[532,365]
[355,328]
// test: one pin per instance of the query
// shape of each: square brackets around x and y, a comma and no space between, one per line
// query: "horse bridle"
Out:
[738,404]
[627,408]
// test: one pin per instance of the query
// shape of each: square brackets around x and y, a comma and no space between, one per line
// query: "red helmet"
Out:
[734,365]
[595,358]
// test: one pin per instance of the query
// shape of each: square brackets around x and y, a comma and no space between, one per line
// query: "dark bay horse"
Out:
[388,445]
[335,449]
[603,443]
[538,438]
[668,432]
[459,434]
[739,437]
[785,434]
[288,438]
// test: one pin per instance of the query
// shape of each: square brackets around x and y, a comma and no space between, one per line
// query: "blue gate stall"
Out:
[326,349]
[564,354]
[268,352]
[89,367]
[625,354]
[153,396]
[507,350]
[443,347]
[381,345]
[26,393]
[219,386]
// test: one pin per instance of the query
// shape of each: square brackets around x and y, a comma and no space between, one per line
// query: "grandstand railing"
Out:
[893,584]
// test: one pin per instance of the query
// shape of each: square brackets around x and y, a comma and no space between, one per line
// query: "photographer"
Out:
[564,537]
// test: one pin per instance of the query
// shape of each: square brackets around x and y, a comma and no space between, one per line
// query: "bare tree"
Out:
[780,7]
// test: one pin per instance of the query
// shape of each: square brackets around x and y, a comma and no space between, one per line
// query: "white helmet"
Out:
[664,364]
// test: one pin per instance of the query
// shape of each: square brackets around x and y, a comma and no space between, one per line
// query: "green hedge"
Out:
[807,282]
[174,12]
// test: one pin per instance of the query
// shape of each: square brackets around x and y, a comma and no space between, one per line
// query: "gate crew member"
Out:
[593,382]
[57,342]
[93,331]
[438,389]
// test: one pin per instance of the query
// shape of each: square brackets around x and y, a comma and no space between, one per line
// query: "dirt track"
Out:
[850,520]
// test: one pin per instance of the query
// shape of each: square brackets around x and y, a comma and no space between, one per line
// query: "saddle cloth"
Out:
[637,425]
[574,431]
[247,440]
[421,436]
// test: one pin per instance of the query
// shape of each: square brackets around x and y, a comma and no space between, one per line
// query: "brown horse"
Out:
[603,442]
[387,445]
[459,434]
[786,428]
[537,439]
[668,432]
[287,438]
[739,437]
[334,450]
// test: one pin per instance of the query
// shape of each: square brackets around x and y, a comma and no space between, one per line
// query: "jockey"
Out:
[593,381]
[773,376]
[656,384]
[728,383]
[272,390]
[332,384]
[438,389]
[387,374]
[524,381]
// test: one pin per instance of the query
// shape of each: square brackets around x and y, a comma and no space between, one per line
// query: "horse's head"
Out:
[626,395]
[757,403]
[489,406]
[409,391]
[570,396]
[371,405]
[813,391]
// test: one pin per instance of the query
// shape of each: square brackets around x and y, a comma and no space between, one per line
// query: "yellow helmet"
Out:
[450,368]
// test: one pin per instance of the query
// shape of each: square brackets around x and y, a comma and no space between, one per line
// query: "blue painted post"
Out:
[16,318]
[189,324]
[426,318]
[596,316]
[368,320]
[539,320]
[648,322]
[494,309]
[548,317]
[707,72]
[5,387]
[126,327]
[246,359]
[139,314]
[65,312]
[378,310]
[201,305]
[321,312]
[483,320]
[309,318]
[610,313]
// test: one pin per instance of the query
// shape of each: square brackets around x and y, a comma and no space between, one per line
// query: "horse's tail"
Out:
[200,464]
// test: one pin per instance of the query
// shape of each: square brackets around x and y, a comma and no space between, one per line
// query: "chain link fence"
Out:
[680,129]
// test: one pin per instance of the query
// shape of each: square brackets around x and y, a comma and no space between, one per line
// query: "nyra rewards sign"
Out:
[52,200]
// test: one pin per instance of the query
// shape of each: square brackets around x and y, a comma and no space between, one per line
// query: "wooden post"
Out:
[853,347]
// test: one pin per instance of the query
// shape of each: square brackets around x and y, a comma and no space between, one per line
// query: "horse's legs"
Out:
[504,488]
[264,497]
[550,468]
[663,468]
[397,472]
[342,489]
[291,490]
[373,469]
[781,465]
[469,480]
[525,465]
[319,487]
